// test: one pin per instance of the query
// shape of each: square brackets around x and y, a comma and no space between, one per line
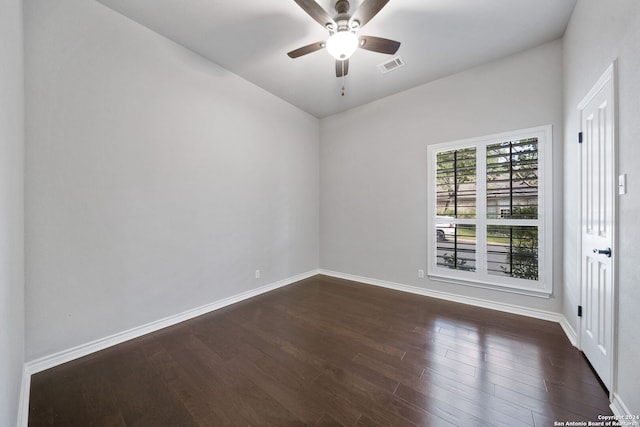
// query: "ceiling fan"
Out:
[343,39]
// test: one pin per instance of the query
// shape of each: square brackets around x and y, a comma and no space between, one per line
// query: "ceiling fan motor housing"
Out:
[342,19]
[342,6]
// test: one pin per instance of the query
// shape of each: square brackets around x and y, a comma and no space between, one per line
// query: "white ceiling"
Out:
[439,37]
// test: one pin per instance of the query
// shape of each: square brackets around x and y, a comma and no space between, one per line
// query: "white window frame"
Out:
[542,287]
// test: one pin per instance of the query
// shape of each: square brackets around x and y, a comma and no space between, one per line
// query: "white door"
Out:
[598,193]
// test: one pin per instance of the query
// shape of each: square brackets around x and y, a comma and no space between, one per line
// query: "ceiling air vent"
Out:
[391,65]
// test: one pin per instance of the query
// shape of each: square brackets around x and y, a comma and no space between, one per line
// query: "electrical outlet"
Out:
[257,274]
[420,274]
[622,184]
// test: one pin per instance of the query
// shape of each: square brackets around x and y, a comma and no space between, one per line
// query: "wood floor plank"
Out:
[445,409]
[380,405]
[197,397]
[337,327]
[242,395]
[61,401]
[140,388]
[568,407]
[466,409]
[100,397]
[322,349]
[466,386]
[310,404]
[329,352]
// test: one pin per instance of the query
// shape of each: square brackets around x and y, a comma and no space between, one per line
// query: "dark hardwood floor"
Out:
[326,351]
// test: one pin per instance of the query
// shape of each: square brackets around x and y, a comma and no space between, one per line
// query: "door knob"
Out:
[606,252]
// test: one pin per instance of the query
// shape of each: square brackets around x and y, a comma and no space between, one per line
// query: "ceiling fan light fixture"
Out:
[342,44]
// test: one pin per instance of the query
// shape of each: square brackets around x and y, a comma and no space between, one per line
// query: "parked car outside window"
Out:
[445,229]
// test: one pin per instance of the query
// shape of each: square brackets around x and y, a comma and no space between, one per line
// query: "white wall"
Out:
[156,181]
[598,33]
[374,168]
[11,209]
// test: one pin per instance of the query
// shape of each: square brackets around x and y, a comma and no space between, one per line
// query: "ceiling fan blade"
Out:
[367,10]
[378,44]
[306,49]
[316,11]
[342,68]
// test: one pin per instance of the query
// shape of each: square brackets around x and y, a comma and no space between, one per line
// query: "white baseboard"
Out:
[569,331]
[618,407]
[46,362]
[23,404]
[478,302]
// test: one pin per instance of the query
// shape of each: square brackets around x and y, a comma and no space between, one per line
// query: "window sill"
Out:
[539,293]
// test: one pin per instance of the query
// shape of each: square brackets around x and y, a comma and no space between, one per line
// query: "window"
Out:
[490,211]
